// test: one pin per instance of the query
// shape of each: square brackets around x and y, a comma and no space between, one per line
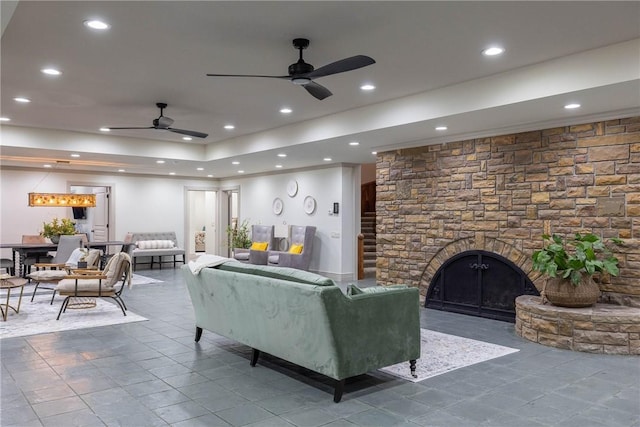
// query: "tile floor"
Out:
[153,374]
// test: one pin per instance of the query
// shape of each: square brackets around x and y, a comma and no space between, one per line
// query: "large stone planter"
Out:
[562,293]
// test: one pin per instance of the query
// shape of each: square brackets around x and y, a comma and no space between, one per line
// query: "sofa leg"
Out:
[337,393]
[254,357]
[198,333]
[412,366]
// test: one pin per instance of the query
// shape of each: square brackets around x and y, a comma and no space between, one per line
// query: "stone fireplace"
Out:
[500,194]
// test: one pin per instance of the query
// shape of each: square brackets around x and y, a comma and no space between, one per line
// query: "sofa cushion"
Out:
[91,258]
[48,275]
[282,273]
[155,244]
[295,249]
[259,246]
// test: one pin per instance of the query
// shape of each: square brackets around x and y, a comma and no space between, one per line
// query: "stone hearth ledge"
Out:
[602,328]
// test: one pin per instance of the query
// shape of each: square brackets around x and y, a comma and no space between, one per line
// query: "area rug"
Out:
[39,317]
[441,353]
[138,279]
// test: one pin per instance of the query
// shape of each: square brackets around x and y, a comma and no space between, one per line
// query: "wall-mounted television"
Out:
[79,213]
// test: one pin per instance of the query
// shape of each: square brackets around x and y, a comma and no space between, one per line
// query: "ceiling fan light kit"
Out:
[302,73]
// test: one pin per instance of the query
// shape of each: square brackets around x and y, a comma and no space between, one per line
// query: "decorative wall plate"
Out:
[277,206]
[309,205]
[292,188]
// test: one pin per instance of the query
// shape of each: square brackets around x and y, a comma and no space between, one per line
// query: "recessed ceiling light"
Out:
[105,130]
[5,119]
[354,143]
[278,166]
[327,159]
[209,176]
[76,155]
[46,166]
[572,106]
[235,162]
[229,127]
[286,110]
[282,155]
[51,71]
[159,162]
[21,99]
[374,152]
[172,173]
[367,86]
[187,138]
[493,51]
[241,171]
[96,24]
[121,170]
[441,128]
[200,169]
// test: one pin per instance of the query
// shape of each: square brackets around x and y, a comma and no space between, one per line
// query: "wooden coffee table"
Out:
[8,284]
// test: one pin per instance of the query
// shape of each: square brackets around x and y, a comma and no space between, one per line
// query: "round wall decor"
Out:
[277,206]
[309,205]
[292,188]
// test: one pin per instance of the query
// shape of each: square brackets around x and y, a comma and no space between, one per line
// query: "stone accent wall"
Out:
[505,192]
[604,328]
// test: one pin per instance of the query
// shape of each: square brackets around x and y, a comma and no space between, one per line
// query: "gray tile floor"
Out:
[153,374]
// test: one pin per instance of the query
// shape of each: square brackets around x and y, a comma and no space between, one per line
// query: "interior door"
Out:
[101,216]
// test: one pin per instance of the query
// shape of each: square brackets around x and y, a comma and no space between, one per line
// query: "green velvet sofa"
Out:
[306,319]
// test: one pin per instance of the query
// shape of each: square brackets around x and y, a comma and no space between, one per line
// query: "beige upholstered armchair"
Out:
[300,249]
[257,254]
[108,283]
[67,256]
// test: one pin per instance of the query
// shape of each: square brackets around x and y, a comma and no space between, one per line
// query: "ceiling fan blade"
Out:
[146,127]
[188,132]
[347,64]
[318,91]
[248,75]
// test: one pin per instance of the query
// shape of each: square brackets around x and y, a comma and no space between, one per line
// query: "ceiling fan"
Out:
[302,73]
[164,123]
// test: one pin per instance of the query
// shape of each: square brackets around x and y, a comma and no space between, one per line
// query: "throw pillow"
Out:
[259,246]
[76,255]
[295,249]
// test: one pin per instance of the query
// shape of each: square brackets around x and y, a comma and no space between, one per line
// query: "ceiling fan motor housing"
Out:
[300,67]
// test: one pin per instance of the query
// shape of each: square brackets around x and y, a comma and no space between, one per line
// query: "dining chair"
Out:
[35,257]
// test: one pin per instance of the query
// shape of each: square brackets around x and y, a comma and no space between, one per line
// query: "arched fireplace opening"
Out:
[479,283]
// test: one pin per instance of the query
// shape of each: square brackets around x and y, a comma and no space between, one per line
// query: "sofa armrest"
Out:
[374,330]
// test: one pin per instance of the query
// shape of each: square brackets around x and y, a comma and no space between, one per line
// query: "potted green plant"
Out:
[57,227]
[238,236]
[571,265]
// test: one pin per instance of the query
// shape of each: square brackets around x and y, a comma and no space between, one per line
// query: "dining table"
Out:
[23,250]
[20,251]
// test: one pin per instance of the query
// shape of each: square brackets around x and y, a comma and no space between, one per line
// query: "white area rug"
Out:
[138,279]
[441,353]
[39,317]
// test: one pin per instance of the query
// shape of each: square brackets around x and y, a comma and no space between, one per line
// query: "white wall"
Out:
[334,245]
[138,203]
[142,203]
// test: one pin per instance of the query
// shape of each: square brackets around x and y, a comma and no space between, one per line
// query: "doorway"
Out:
[229,209]
[201,228]
[94,222]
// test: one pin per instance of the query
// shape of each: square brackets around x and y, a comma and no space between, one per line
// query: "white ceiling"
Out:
[428,71]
